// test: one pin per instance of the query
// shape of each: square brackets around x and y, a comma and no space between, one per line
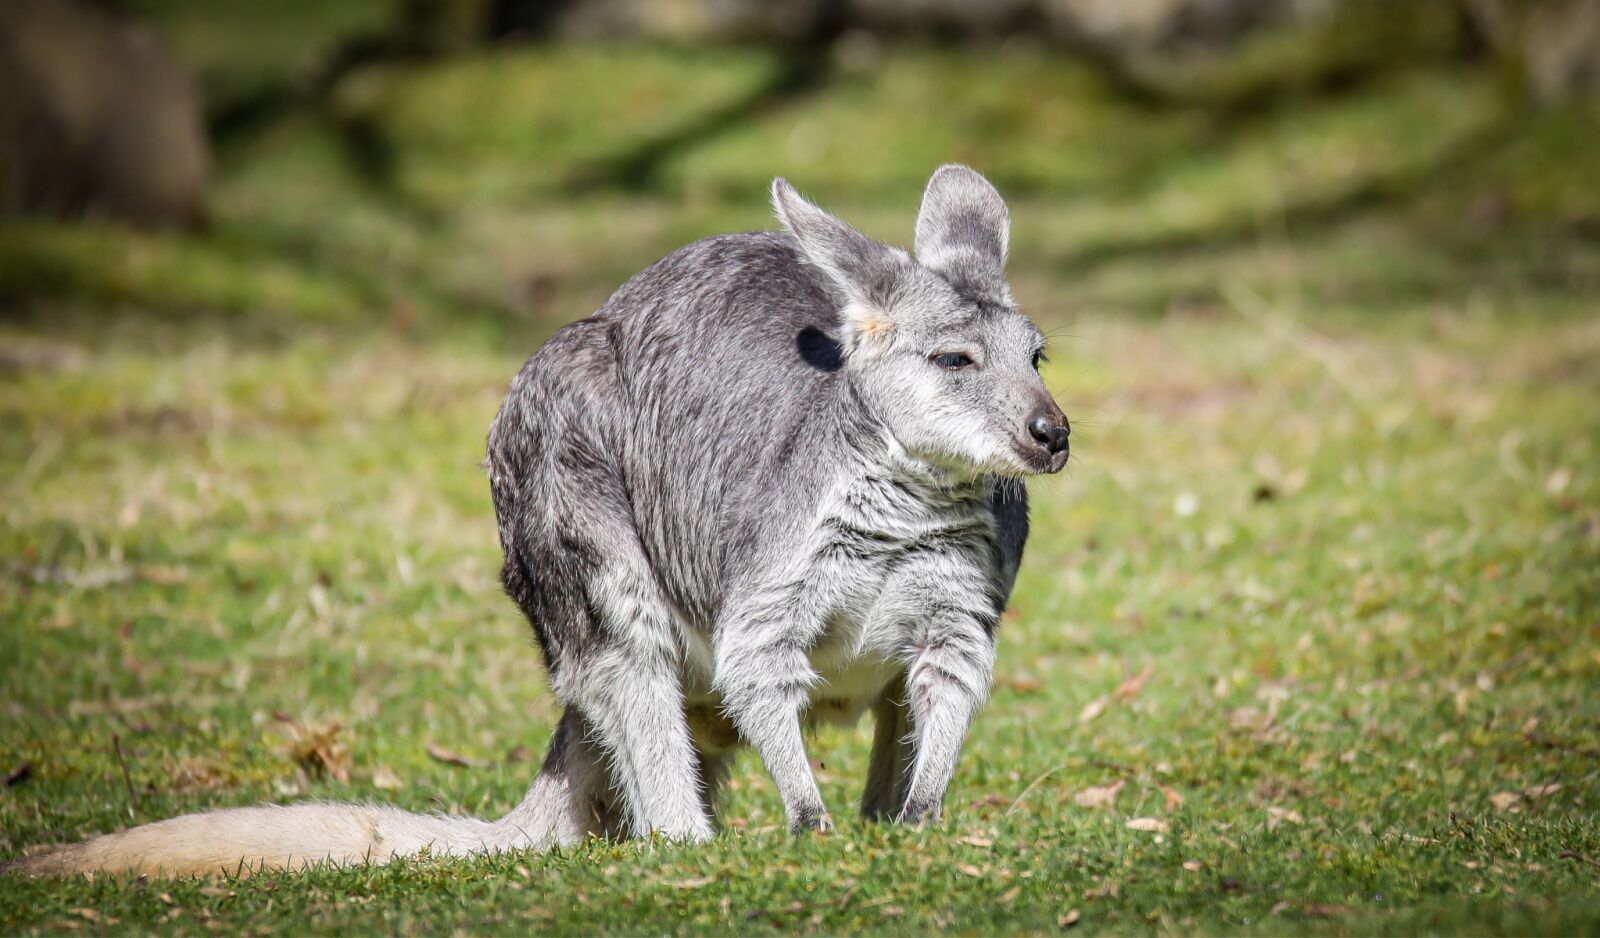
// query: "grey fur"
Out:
[774,480]
[743,496]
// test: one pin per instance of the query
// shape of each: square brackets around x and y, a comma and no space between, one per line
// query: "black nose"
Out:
[1052,437]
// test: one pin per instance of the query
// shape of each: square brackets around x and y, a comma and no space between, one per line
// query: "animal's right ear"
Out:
[862,269]
[963,230]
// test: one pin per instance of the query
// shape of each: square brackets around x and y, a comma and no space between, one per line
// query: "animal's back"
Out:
[703,381]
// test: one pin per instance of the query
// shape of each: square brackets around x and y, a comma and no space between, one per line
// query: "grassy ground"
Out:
[1318,603]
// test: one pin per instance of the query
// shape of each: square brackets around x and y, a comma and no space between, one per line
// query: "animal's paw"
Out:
[919,812]
[811,820]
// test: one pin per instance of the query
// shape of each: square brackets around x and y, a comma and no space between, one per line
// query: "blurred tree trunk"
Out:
[1551,45]
[96,118]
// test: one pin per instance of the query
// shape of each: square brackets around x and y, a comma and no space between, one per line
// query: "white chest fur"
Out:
[882,551]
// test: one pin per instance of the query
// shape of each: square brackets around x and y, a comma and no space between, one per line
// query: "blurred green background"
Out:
[1315,605]
[512,162]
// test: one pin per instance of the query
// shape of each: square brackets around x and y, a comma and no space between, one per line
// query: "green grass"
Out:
[1332,371]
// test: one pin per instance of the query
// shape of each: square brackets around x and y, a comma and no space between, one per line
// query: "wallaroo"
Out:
[776,479]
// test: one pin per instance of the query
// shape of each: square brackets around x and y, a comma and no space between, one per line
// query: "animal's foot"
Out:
[811,820]
[919,812]
[692,830]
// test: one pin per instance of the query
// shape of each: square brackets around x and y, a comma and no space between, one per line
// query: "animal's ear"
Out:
[863,270]
[963,230]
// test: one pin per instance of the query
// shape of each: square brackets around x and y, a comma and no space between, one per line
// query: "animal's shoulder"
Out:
[735,273]
[889,513]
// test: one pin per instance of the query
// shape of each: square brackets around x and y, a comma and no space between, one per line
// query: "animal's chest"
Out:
[883,542]
[883,556]
[880,556]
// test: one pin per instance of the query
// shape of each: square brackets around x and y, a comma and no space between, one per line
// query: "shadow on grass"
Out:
[1393,190]
[802,71]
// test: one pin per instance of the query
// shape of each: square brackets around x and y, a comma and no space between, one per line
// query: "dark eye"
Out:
[953,361]
[1038,357]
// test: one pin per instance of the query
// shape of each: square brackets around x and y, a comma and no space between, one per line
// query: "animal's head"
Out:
[934,343]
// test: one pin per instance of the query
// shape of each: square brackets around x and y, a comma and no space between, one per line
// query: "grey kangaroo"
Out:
[775,479]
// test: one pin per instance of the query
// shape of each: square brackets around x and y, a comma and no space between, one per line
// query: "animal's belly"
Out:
[846,691]
[849,659]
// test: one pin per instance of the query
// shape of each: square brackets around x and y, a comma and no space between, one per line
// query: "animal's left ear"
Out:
[963,231]
[864,272]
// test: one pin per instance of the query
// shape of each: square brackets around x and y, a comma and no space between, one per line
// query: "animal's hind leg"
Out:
[632,702]
[569,801]
[714,767]
[611,646]
[624,672]
[890,763]
[575,564]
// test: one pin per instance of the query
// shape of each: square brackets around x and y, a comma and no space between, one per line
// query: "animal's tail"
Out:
[271,836]
[562,807]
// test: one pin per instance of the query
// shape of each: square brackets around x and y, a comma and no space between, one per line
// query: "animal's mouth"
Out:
[1038,461]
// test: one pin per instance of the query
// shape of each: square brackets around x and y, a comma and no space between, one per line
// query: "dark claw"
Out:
[813,820]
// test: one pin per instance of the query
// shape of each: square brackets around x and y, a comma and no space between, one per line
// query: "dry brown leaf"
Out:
[1099,796]
[449,757]
[1010,895]
[198,774]
[1512,801]
[1025,683]
[1093,710]
[1249,718]
[1149,824]
[1193,866]
[1130,688]
[976,841]
[1108,889]
[384,778]
[694,883]
[163,575]
[317,748]
[1069,920]
[1174,797]
[1276,816]
[969,870]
